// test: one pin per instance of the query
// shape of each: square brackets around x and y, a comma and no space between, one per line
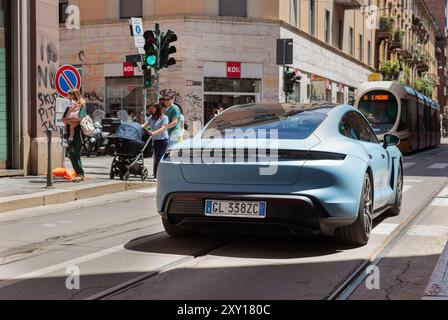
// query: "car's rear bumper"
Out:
[286,214]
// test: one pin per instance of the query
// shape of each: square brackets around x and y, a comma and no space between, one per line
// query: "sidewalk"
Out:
[25,192]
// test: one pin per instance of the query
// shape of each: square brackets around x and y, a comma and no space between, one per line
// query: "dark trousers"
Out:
[160,147]
[74,153]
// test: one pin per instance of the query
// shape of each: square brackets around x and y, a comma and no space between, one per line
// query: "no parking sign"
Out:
[67,78]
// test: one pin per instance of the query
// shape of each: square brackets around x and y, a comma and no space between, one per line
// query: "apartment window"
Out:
[360,52]
[63,4]
[350,40]
[313,17]
[327,26]
[340,34]
[233,8]
[294,13]
[131,8]
[369,52]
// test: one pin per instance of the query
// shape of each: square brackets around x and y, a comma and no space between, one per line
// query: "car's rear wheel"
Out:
[359,232]
[396,209]
[175,231]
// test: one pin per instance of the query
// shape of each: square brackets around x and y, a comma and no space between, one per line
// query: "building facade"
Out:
[440,11]
[406,44]
[226,53]
[29,57]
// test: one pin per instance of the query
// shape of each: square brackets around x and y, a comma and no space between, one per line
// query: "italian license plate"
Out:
[240,209]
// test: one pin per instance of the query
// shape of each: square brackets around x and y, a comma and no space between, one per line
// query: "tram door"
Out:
[428,125]
[413,123]
[421,125]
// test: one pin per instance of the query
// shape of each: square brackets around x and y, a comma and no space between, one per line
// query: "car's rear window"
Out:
[289,121]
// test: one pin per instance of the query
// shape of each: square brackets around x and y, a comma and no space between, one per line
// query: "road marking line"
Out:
[412,181]
[63,265]
[440,202]
[409,164]
[407,188]
[48,225]
[438,166]
[428,231]
[150,191]
[443,193]
[385,228]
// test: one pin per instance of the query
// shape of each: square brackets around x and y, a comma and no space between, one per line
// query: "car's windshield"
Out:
[381,109]
[287,121]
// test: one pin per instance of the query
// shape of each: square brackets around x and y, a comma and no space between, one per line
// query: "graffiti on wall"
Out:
[193,101]
[93,97]
[47,64]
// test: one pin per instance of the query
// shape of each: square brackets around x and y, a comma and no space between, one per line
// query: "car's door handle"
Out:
[370,156]
[383,156]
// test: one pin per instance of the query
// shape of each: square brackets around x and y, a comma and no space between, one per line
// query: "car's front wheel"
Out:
[175,231]
[359,232]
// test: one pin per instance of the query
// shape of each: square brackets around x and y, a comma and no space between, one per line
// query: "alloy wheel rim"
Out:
[368,206]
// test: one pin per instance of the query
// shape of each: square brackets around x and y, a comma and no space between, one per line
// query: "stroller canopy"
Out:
[130,130]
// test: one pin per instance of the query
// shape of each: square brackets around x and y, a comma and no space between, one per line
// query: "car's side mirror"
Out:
[391,140]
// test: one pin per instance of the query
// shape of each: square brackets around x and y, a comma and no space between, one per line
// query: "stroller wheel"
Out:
[144,175]
[126,176]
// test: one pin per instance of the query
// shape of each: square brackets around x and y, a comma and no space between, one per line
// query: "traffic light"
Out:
[147,78]
[151,49]
[290,78]
[167,49]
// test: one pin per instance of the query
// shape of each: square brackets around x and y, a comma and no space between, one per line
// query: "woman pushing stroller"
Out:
[157,123]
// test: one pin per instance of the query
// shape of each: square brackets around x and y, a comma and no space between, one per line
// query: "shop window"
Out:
[233,8]
[124,94]
[131,8]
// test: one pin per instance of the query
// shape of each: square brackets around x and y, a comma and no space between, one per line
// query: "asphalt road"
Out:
[118,246]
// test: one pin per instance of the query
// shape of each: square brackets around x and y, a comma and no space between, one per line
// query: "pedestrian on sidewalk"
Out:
[158,125]
[74,146]
[172,111]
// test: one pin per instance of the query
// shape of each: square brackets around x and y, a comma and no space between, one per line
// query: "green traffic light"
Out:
[151,60]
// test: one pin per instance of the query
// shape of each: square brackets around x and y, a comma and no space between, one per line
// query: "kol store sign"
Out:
[128,69]
[233,70]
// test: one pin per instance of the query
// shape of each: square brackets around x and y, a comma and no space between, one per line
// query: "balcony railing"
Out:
[386,28]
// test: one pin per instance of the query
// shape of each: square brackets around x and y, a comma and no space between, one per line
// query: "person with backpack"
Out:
[76,141]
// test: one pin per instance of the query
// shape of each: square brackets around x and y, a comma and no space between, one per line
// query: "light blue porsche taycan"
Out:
[281,168]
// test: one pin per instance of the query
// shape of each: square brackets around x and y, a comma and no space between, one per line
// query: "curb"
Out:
[63,195]
[437,288]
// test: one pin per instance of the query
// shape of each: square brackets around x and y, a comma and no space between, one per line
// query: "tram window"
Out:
[427,117]
[381,110]
[433,120]
[412,114]
[403,116]
[421,116]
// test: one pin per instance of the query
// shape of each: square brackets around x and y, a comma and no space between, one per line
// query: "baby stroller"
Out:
[129,152]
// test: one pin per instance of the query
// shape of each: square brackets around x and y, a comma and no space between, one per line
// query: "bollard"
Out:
[49,133]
